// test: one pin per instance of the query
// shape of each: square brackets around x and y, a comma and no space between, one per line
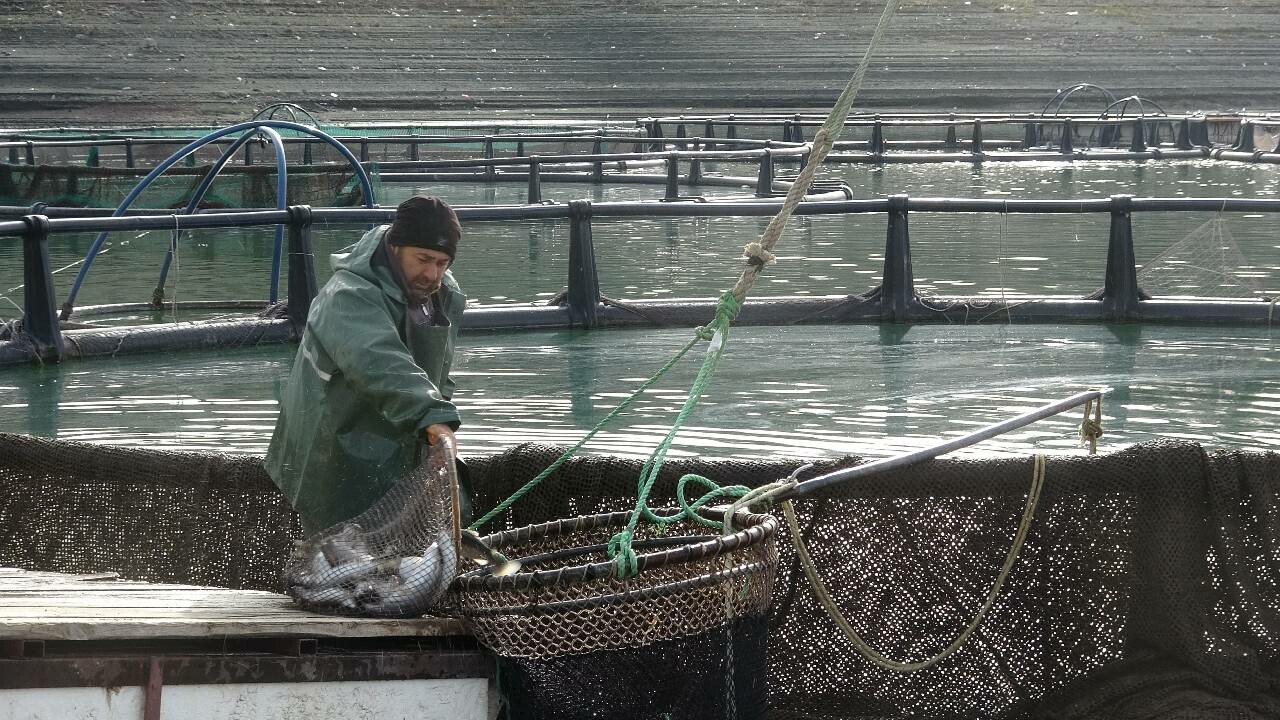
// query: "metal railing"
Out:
[894,300]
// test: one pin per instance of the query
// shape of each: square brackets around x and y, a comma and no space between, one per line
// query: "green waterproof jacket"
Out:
[365,383]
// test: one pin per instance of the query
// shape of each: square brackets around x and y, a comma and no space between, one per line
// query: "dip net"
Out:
[395,559]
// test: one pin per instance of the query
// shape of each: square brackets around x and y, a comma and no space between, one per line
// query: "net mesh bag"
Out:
[691,623]
[395,559]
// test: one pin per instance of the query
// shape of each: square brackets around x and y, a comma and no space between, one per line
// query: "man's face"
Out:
[422,269]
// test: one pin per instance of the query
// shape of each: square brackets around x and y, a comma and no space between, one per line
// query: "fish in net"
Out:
[396,559]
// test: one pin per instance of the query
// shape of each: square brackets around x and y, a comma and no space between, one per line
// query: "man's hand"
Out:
[438,431]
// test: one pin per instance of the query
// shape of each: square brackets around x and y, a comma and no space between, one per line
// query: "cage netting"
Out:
[1148,586]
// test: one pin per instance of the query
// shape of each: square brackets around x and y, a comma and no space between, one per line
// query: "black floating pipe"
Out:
[128,152]
[1138,143]
[535,182]
[1184,134]
[1066,144]
[302,269]
[897,289]
[584,284]
[1120,294]
[1244,141]
[673,177]
[39,312]
[975,146]
[1030,136]
[764,180]
[488,155]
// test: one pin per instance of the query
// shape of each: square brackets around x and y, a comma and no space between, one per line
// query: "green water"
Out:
[791,391]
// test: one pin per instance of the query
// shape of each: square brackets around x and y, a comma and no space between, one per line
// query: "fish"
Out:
[475,550]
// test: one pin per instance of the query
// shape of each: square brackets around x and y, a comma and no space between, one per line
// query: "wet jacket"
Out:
[365,384]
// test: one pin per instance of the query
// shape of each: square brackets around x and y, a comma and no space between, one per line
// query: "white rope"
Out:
[824,597]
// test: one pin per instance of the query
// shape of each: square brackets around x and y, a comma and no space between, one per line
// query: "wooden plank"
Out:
[53,606]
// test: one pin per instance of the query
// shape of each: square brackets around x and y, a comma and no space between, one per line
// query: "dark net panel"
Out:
[161,516]
[1147,587]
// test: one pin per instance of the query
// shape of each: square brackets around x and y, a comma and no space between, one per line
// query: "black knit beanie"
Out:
[426,222]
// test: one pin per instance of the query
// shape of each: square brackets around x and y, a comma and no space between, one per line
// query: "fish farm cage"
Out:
[295,175]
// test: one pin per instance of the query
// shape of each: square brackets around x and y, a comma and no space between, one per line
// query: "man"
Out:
[371,378]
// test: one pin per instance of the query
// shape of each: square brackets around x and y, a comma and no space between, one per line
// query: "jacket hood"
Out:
[358,260]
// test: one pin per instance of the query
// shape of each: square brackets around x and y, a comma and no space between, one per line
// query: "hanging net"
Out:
[1206,263]
[395,559]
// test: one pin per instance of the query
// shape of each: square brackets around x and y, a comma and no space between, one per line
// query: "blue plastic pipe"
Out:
[173,159]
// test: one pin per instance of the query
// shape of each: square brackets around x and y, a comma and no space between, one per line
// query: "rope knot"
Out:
[625,562]
[758,256]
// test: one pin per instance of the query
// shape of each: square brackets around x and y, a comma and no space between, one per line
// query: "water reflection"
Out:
[799,391]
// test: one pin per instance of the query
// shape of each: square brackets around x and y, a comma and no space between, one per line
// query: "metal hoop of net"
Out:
[566,600]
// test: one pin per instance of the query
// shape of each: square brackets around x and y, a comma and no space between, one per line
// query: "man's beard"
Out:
[420,294]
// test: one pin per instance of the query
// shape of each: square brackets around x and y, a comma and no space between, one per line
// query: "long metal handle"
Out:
[916,456]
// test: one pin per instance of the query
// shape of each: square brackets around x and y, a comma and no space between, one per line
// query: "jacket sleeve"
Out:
[359,335]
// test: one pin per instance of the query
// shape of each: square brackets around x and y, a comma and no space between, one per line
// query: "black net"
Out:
[243,187]
[1146,588]
[395,559]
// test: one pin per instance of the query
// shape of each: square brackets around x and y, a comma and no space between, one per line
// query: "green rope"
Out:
[700,334]
[624,557]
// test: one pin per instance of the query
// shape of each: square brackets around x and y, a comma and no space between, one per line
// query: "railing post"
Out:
[1244,141]
[681,132]
[1120,294]
[39,314]
[673,177]
[488,155]
[597,167]
[797,130]
[764,180]
[364,149]
[535,181]
[897,289]
[13,154]
[584,285]
[309,159]
[1201,132]
[519,148]
[1030,135]
[876,146]
[731,130]
[413,150]
[1184,134]
[695,167]
[248,153]
[94,158]
[708,132]
[1138,143]
[638,147]
[655,133]
[31,152]
[976,145]
[950,142]
[302,268]
[128,152]
[1066,144]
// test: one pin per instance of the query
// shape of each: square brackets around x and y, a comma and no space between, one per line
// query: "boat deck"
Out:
[42,606]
